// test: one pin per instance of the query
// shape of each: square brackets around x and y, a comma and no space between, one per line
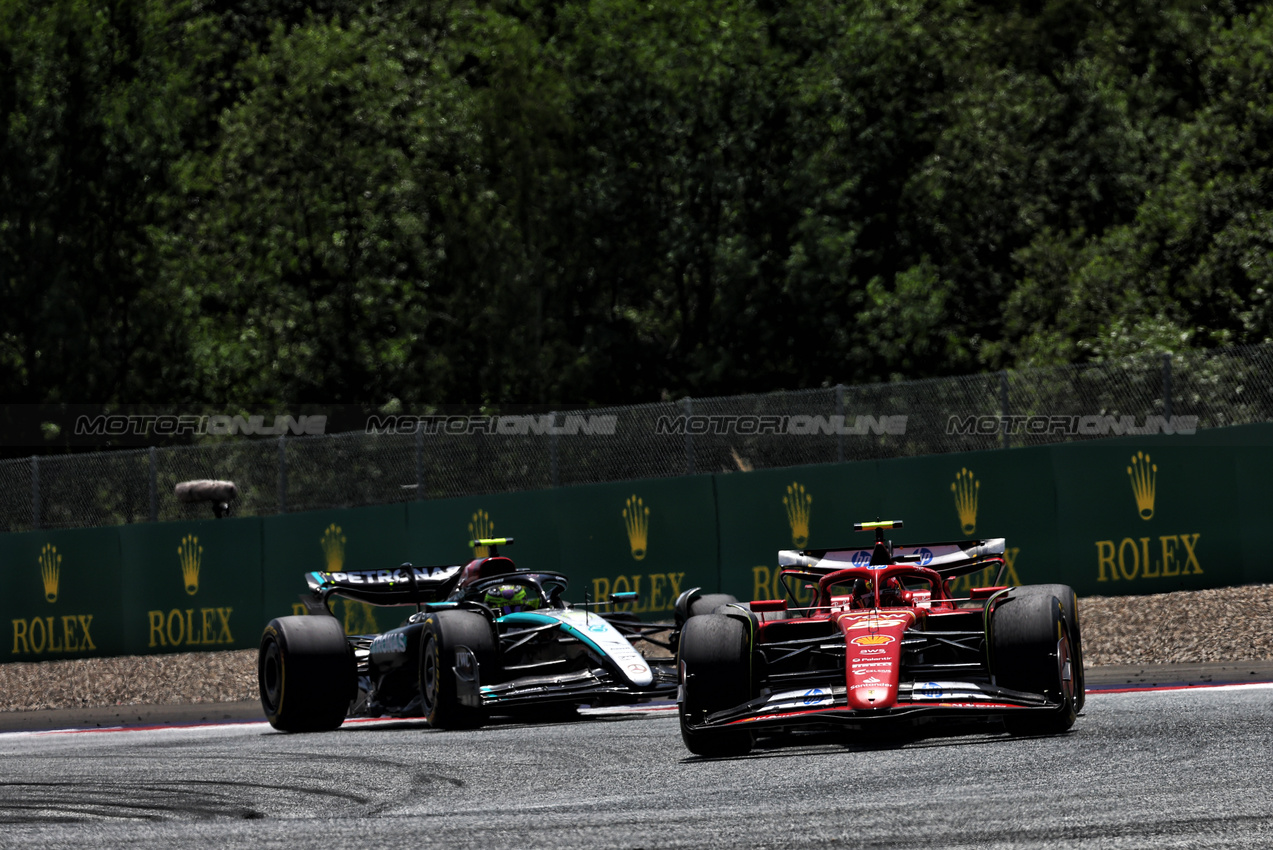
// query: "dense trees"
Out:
[249,201]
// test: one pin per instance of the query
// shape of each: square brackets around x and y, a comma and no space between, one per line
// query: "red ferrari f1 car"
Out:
[884,641]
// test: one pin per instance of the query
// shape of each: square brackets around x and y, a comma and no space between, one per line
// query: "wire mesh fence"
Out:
[391,461]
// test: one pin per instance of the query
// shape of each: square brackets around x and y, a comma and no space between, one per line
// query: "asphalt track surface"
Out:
[1158,768]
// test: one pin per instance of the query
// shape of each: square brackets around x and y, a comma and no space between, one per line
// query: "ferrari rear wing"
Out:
[405,585]
[951,559]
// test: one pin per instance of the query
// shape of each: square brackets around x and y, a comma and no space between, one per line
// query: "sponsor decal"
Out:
[390,578]
[929,690]
[925,556]
[872,640]
[655,591]
[815,696]
[872,624]
[861,559]
[871,651]
[638,668]
[207,627]
[390,642]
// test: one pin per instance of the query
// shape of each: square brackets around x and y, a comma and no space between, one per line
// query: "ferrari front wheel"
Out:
[716,669]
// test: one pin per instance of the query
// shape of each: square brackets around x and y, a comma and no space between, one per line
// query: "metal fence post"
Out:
[1003,407]
[154,487]
[839,412]
[688,404]
[419,461]
[553,470]
[1166,385]
[282,476]
[35,492]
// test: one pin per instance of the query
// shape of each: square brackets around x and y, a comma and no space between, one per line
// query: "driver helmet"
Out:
[509,598]
[891,594]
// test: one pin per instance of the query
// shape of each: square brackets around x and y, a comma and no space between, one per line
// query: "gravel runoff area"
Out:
[1189,627]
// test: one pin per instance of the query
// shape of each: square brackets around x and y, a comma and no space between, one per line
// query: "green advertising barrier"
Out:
[1148,520]
[656,537]
[1005,493]
[1126,515]
[369,538]
[803,507]
[191,586]
[438,531]
[63,594]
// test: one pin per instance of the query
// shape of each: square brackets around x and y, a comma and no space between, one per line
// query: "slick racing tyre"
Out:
[447,635]
[1031,651]
[716,659]
[1070,609]
[307,674]
[709,602]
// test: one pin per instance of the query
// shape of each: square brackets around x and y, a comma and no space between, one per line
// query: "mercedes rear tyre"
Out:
[709,602]
[715,659]
[450,642]
[1031,651]
[306,673]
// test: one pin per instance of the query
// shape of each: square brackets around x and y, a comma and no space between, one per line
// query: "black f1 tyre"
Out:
[1070,609]
[709,602]
[307,674]
[446,633]
[1031,651]
[715,655]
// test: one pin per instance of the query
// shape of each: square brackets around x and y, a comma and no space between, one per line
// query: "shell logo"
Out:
[873,640]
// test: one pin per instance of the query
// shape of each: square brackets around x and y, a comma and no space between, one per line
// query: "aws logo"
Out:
[480,528]
[52,634]
[1140,557]
[967,490]
[799,505]
[636,519]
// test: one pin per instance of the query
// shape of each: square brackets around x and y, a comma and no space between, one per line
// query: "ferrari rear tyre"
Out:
[1069,607]
[306,673]
[715,655]
[445,634]
[1031,651]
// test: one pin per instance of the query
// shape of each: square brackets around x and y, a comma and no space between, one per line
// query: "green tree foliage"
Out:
[557,201]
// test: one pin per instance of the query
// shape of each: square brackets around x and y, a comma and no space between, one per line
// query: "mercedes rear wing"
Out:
[404,585]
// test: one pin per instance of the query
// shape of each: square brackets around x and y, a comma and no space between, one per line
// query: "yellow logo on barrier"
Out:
[967,490]
[333,543]
[50,571]
[1144,475]
[636,518]
[481,527]
[190,554]
[799,510]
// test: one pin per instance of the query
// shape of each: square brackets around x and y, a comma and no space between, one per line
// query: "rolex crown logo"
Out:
[333,543]
[1144,475]
[190,553]
[50,571]
[967,490]
[799,509]
[481,528]
[636,517]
